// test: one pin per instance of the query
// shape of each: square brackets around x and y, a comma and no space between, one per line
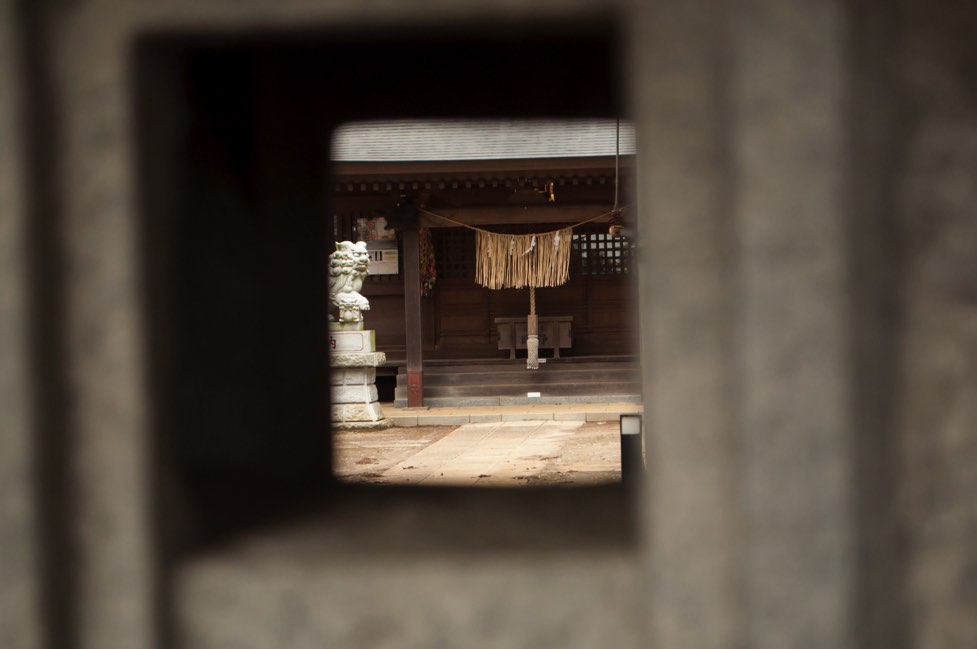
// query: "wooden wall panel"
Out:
[386,316]
[462,315]
[602,310]
[471,324]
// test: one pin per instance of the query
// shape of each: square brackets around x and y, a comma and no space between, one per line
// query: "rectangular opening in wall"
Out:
[244,193]
[499,407]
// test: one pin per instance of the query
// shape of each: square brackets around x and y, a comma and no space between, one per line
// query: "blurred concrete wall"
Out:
[808,289]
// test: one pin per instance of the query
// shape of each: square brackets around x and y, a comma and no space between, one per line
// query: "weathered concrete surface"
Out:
[354,393]
[368,359]
[692,509]
[381,424]
[792,335]
[356,412]
[354,376]
[746,313]
[20,624]
[109,471]
[269,594]
[935,407]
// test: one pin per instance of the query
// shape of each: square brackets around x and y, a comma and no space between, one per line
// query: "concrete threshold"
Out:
[459,415]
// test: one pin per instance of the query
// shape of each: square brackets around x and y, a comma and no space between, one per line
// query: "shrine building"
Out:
[454,177]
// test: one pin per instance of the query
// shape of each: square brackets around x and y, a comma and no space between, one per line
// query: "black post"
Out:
[632,453]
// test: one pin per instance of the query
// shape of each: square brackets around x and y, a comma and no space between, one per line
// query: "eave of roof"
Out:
[479,141]
[480,169]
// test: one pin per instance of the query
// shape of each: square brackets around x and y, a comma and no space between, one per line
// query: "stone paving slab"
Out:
[522,401]
[527,416]
[571,416]
[485,454]
[489,454]
[442,420]
[460,415]
[481,419]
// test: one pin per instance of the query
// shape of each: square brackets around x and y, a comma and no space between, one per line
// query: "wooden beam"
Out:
[412,324]
[514,214]
[584,165]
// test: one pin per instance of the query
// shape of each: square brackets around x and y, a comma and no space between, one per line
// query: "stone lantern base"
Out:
[353,378]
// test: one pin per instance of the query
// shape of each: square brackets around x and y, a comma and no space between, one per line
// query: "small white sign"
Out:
[533,395]
[383,261]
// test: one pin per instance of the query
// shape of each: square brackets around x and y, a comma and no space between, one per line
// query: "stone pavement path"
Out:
[511,453]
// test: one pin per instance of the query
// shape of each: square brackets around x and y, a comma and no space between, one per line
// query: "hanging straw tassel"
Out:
[519,261]
[532,333]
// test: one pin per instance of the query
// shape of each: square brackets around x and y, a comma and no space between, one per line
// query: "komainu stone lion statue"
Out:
[347,270]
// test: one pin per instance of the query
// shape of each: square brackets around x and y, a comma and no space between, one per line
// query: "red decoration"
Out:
[429,273]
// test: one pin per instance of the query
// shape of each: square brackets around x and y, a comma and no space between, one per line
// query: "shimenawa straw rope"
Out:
[522,260]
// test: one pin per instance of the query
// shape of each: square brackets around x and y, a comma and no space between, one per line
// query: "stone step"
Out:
[506,382]
[456,402]
[542,376]
[610,411]
[514,390]
[433,364]
[550,365]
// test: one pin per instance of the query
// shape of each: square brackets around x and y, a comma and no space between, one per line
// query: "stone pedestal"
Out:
[354,360]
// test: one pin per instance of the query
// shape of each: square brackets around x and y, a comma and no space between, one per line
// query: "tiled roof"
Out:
[432,140]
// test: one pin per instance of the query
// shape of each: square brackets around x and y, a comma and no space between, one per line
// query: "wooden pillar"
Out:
[412,324]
